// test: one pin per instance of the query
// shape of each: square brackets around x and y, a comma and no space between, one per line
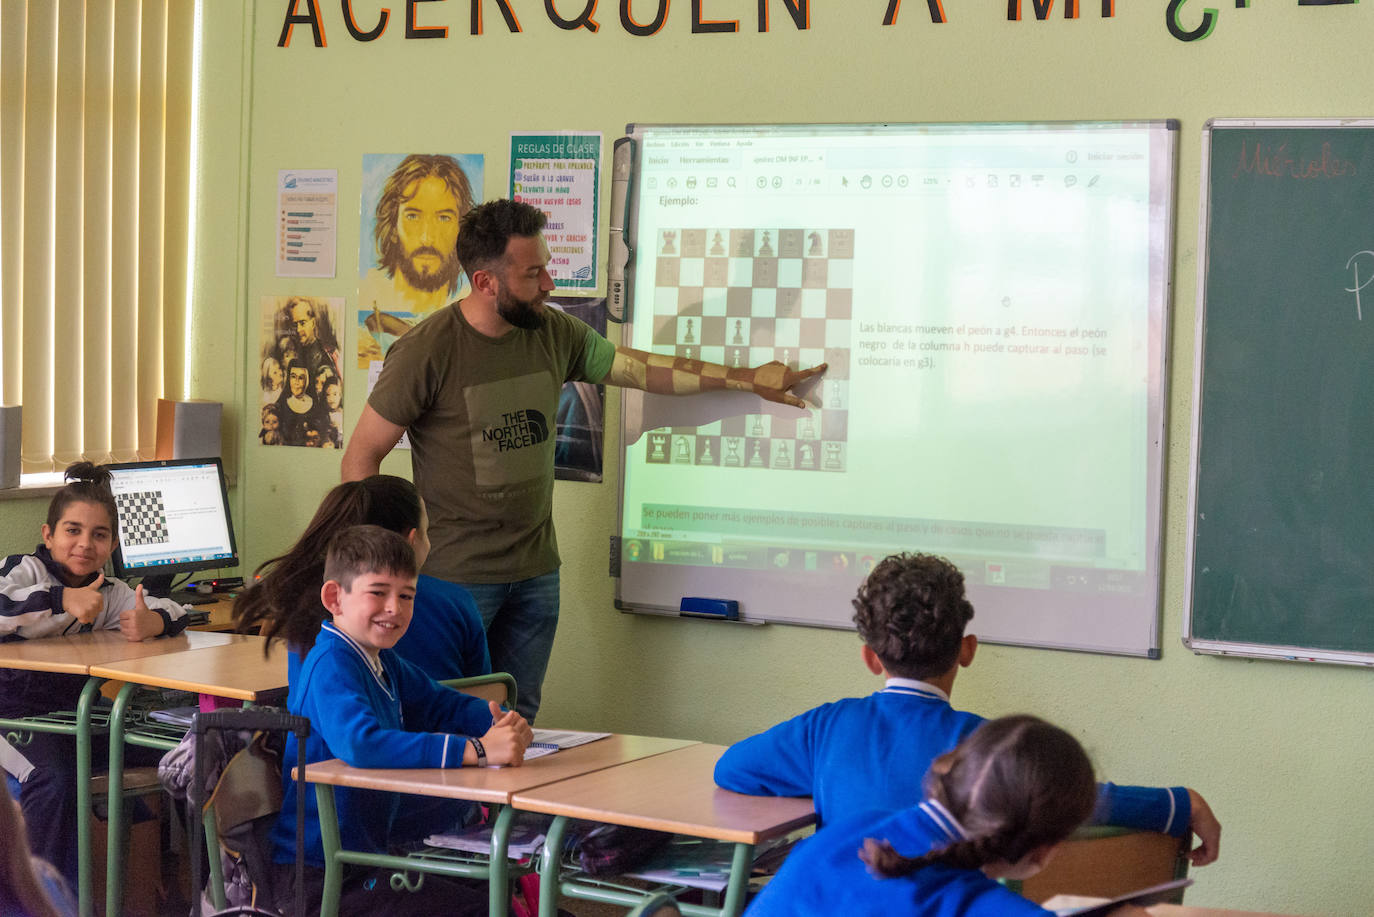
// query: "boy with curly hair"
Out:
[873,752]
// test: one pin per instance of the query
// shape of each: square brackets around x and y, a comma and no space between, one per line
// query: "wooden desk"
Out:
[77,655]
[495,786]
[228,665]
[673,792]
[221,612]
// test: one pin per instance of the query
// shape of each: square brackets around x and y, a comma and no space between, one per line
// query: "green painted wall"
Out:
[1282,751]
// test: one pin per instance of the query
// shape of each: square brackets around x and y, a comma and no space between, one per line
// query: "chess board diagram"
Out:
[142,518]
[743,297]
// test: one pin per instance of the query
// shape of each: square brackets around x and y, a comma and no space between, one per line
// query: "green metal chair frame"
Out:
[660,905]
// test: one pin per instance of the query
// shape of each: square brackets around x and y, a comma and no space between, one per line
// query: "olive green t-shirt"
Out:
[480,415]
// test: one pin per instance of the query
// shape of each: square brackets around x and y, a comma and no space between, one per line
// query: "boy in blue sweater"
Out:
[873,752]
[370,708]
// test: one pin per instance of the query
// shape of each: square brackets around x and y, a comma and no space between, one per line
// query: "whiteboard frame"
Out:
[1229,647]
[1150,634]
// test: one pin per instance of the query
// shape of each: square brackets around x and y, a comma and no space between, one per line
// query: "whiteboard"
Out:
[991,300]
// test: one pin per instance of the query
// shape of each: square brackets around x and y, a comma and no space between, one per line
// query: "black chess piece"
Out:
[689,337]
[668,236]
[766,248]
[739,333]
[815,239]
[717,244]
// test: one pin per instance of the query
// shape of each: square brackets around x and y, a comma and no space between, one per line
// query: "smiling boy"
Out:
[370,708]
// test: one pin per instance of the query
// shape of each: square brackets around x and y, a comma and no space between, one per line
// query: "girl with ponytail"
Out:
[996,807]
[61,589]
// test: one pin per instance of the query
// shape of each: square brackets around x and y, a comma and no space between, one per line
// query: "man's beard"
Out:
[522,313]
[445,278]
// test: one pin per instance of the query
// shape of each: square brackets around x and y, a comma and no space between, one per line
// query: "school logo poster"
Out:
[560,173]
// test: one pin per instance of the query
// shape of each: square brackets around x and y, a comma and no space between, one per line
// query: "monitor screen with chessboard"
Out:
[173,519]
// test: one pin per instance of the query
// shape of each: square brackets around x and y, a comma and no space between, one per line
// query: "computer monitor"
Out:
[173,519]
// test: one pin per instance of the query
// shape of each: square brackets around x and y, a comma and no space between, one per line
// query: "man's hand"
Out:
[774,382]
[1208,830]
[140,622]
[507,738]
[84,603]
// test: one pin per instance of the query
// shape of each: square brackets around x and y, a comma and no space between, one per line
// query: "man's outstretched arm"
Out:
[663,374]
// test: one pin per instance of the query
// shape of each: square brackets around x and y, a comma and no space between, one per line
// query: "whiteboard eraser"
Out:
[710,608]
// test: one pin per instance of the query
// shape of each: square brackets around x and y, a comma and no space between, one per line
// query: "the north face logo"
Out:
[517,430]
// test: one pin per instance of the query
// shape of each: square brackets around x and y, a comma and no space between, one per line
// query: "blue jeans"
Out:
[520,619]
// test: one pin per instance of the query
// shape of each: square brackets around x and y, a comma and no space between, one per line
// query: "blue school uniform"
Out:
[873,753]
[398,718]
[445,638]
[824,875]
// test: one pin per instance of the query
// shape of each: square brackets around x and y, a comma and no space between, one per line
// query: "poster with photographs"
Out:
[300,376]
[407,263]
[577,453]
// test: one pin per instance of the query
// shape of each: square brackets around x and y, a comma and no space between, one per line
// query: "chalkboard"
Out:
[1282,500]
[990,300]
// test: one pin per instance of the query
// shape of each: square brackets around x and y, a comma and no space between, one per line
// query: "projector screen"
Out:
[991,301]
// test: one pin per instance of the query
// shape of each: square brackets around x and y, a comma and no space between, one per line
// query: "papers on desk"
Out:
[548,741]
[696,863]
[175,716]
[526,837]
[1100,907]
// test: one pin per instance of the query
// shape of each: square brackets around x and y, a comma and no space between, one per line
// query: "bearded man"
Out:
[476,386]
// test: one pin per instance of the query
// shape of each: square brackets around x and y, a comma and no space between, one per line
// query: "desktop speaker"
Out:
[188,429]
[10,436]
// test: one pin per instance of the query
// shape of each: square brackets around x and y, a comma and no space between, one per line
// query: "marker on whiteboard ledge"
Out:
[696,607]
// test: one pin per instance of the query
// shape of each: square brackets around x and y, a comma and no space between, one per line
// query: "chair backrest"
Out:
[248,794]
[1105,862]
[498,686]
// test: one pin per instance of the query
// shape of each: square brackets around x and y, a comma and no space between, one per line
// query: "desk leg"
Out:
[329,840]
[116,836]
[550,862]
[85,902]
[498,877]
[741,865]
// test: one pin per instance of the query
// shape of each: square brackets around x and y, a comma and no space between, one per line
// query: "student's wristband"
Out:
[481,751]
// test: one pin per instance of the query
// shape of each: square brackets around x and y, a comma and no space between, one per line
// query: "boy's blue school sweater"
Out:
[406,721]
[873,753]
[824,875]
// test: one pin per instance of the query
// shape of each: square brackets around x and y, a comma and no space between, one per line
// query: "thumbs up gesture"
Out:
[84,603]
[139,622]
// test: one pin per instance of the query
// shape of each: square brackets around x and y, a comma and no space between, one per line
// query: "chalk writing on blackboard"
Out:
[1278,163]
[1354,263]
